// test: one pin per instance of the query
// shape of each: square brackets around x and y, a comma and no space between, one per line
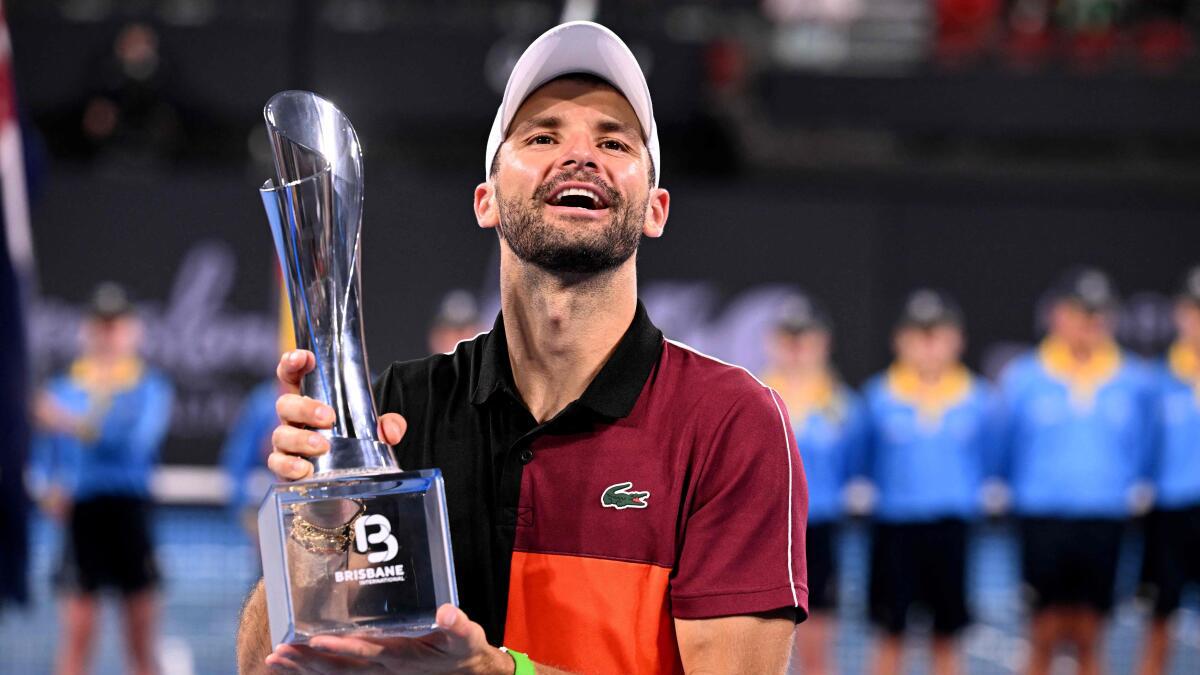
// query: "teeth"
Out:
[578,192]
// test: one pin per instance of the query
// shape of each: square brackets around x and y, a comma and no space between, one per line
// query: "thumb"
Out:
[391,428]
[454,624]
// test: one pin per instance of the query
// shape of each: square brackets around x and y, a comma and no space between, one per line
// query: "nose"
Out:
[578,154]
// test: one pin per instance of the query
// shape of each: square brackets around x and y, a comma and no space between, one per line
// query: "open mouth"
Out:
[579,196]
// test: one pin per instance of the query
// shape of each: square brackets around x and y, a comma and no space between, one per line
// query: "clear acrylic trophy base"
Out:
[363,553]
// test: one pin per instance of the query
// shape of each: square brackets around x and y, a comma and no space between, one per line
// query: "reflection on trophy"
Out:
[360,546]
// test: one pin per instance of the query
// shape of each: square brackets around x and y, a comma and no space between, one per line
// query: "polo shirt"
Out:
[669,489]
[927,449]
[1174,461]
[1076,438]
[130,423]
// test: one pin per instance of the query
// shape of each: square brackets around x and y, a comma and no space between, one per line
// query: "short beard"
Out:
[533,240]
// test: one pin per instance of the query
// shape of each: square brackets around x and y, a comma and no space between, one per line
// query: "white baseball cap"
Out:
[576,47]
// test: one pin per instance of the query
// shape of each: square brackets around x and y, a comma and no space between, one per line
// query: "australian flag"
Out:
[16,277]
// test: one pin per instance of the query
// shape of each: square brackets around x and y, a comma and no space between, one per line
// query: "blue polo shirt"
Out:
[828,432]
[1076,436]
[927,448]
[1175,464]
[129,425]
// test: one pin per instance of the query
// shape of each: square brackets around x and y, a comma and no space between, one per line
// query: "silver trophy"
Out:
[360,546]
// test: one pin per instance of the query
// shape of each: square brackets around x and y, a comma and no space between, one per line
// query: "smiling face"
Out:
[571,190]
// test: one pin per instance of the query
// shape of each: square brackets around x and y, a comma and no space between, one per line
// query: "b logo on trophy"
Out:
[361,546]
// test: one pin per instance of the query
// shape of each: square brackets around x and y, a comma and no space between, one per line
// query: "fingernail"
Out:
[393,429]
[324,413]
[298,465]
[294,357]
[314,441]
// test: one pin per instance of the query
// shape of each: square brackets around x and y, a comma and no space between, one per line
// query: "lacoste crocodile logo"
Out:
[619,497]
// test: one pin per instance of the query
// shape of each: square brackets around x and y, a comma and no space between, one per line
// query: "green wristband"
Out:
[521,663]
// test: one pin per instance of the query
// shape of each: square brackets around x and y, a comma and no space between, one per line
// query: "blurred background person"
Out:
[1075,441]
[244,454]
[827,420]
[1172,542]
[99,429]
[457,319]
[929,422]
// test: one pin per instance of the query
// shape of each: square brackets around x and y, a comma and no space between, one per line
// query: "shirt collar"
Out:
[614,390]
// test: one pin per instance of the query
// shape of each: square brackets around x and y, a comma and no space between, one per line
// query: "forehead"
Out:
[1072,307]
[577,102]
[110,323]
[937,330]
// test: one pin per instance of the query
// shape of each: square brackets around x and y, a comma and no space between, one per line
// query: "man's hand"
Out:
[293,441]
[458,646]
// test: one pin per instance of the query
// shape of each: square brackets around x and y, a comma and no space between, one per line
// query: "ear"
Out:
[657,207]
[487,211]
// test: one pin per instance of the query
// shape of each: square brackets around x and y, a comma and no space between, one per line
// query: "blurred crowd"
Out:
[1157,34]
[1076,439]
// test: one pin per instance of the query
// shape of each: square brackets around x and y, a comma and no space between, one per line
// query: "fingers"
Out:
[391,428]
[289,467]
[289,440]
[292,367]
[301,411]
[347,646]
[310,661]
[294,441]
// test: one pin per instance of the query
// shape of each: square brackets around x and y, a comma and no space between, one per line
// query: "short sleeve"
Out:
[743,545]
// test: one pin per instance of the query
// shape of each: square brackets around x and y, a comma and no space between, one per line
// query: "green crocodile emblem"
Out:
[619,497]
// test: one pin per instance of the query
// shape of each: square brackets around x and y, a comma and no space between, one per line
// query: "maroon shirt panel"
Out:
[727,503]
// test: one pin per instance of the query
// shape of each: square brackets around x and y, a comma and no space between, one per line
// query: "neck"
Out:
[106,358]
[1081,351]
[930,375]
[561,329]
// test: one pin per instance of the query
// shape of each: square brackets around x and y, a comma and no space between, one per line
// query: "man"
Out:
[1172,558]
[1075,439]
[100,427]
[827,422]
[928,421]
[618,503]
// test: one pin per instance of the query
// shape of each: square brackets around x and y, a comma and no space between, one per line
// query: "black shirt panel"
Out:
[466,418]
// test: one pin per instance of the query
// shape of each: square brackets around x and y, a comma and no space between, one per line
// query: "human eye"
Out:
[541,139]
[613,144]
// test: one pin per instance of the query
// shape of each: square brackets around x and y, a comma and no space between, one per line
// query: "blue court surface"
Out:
[209,564]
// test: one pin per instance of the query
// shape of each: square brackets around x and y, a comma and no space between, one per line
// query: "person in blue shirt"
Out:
[246,449]
[1075,440]
[929,422]
[1172,533]
[100,426]
[827,421]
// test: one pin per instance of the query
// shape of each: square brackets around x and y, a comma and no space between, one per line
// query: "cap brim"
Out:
[576,47]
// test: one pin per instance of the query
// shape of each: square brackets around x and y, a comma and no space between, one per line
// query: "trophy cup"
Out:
[361,546]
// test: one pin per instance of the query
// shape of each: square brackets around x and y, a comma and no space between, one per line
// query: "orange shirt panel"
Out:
[591,615]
